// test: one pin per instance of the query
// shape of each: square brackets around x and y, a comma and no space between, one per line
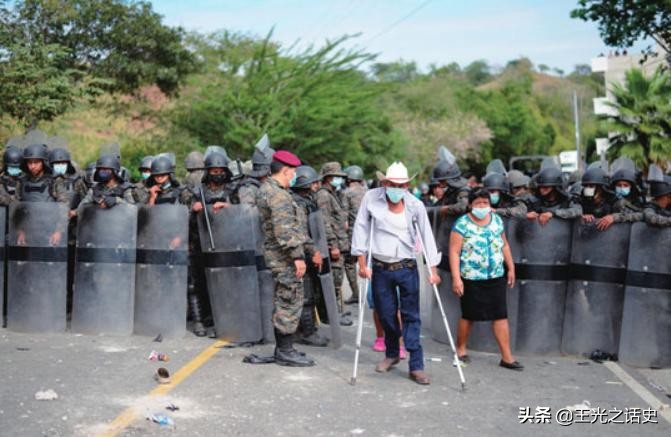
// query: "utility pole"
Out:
[576,121]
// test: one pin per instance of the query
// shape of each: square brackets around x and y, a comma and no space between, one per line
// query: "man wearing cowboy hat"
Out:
[335,221]
[393,212]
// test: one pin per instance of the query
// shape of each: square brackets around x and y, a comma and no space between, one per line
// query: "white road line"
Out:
[645,394]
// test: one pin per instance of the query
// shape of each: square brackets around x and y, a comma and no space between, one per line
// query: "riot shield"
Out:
[266,282]
[645,338]
[449,300]
[3,229]
[37,267]
[595,294]
[318,235]
[542,255]
[161,271]
[104,289]
[230,272]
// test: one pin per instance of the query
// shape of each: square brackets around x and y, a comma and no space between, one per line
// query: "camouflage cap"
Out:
[331,169]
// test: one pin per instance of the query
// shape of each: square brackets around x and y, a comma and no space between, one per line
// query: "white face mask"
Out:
[588,191]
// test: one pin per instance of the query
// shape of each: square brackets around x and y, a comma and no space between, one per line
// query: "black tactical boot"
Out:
[286,355]
[195,313]
[307,331]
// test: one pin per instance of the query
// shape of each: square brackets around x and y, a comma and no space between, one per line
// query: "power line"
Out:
[399,21]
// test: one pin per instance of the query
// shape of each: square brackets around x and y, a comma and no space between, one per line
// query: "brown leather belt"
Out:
[407,263]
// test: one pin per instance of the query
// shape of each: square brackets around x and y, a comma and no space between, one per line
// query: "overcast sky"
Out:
[437,31]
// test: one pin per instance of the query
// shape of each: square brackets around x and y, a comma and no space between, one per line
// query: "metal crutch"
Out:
[442,310]
[359,331]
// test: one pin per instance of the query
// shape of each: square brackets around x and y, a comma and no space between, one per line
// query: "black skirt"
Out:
[484,300]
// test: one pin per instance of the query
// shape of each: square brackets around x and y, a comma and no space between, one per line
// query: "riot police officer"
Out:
[595,199]
[351,201]
[11,171]
[302,191]
[142,187]
[195,165]
[629,203]
[454,201]
[67,181]
[551,200]
[248,187]
[658,211]
[164,188]
[110,188]
[502,202]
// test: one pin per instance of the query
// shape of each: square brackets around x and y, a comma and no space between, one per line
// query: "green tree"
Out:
[623,22]
[316,103]
[642,123]
[399,71]
[477,72]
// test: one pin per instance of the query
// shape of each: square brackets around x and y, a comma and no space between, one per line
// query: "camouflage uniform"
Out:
[284,243]
[123,192]
[655,215]
[70,187]
[590,207]
[454,202]
[7,189]
[40,189]
[562,207]
[511,207]
[351,201]
[627,210]
[335,221]
[141,192]
[247,190]
[193,179]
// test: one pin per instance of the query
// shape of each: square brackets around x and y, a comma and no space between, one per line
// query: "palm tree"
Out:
[642,121]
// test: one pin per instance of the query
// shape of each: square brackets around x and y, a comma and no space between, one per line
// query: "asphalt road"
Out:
[106,384]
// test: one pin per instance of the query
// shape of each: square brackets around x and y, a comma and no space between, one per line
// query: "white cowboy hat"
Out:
[396,173]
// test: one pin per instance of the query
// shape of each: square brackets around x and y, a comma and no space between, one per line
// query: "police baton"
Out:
[207,217]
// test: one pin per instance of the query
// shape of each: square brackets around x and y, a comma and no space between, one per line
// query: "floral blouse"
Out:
[482,250]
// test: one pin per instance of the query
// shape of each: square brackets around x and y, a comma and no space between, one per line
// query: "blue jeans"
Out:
[386,299]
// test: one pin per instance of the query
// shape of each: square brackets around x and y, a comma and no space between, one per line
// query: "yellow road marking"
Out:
[130,414]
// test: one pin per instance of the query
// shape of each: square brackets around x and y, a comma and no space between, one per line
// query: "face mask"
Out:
[588,191]
[145,175]
[14,171]
[60,168]
[495,198]
[394,194]
[481,213]
[292,182]
[166,185]
[622,192]
[336,182]
[103,175]
[217,178]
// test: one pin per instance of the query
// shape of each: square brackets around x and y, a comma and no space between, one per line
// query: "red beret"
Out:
[286,157]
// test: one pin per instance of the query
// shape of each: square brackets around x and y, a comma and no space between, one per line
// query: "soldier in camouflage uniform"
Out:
[595,199]
[454,201]
[284,253]
[658,212]
[216,191]
[629,203]
[110,189]
[164,188]
[351,200]
[552,200]
[11,171]
[141,191]
[195,169]
[248,187]
[502,202]
[307,183]
[335,218]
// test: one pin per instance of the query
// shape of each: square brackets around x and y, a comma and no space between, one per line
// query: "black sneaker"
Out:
[515,365]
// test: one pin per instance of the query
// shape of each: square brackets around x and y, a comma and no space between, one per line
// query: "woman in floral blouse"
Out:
[482,266]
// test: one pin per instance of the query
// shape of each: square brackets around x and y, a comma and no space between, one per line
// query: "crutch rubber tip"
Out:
[352,381]
[463,387]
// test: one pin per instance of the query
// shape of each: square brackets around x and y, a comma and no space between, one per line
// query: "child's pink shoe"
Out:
[379,345]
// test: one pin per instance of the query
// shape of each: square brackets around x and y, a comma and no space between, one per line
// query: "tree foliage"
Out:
[316,103]
[642,125]
[623,22]
[52,51]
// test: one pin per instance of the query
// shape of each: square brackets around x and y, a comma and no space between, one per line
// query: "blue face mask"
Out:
[292,182]
[394,194]
[622,192]
[166,185]
[60,169]
[495,198]
[13,171]
[336,182]
[145,175]
[481,213]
